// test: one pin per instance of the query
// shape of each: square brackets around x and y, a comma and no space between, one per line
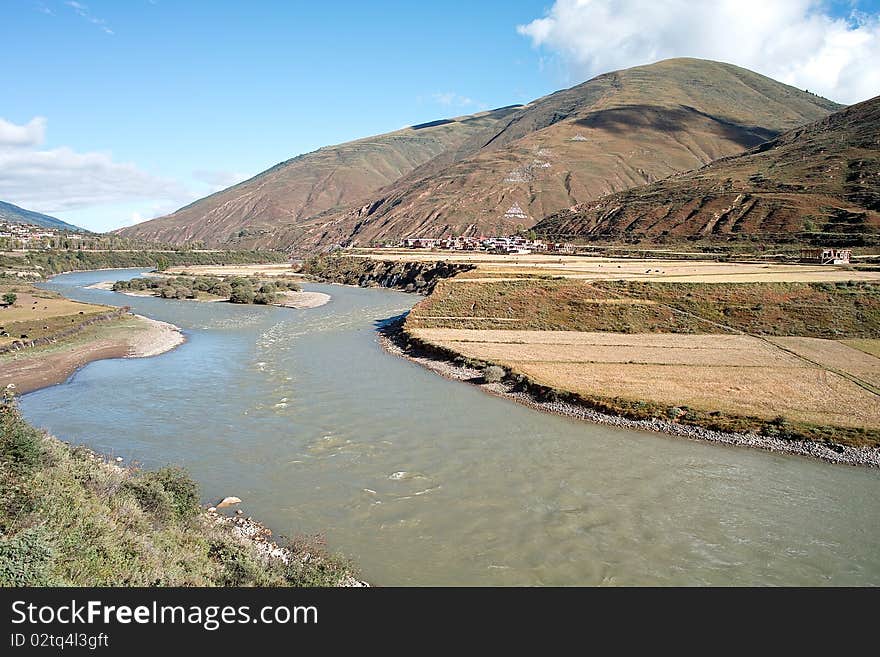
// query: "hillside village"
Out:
[29,236]
[513,244]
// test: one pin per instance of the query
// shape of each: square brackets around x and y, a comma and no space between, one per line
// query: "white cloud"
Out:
[794,41]
[83,11]
[452,99]
[31,133]
[61,179]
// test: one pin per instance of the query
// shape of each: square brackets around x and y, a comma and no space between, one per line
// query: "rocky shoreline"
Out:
[257,535]
[393,340]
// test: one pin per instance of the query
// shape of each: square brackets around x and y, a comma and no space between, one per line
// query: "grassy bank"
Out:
[68,518]
[848,309]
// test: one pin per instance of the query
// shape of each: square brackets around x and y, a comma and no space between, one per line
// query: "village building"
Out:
[826,256]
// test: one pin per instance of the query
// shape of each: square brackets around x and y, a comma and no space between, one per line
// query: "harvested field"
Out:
[836,355]
[805,394]
[574,347]
[732,374]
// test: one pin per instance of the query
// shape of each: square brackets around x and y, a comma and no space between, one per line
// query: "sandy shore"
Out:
[391,341]
[103,285]
[302,299]
[133,337]
[157,339]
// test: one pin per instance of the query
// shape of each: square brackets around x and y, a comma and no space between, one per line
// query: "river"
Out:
[424,481]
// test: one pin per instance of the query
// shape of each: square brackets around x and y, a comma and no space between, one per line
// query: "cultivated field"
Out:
[492,266]
[731,374]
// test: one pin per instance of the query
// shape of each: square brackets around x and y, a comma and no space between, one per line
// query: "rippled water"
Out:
[426,481]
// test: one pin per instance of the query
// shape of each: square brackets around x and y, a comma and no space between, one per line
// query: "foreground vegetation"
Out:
[68,518]
[236,289]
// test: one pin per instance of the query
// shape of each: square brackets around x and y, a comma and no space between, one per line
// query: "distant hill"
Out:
[617,131]
[821,180]
[330,177]
[16,215]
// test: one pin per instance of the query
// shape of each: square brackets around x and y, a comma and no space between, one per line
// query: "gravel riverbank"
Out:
[392,340]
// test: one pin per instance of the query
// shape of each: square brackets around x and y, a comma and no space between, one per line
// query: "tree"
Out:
[162,263]
[9,298]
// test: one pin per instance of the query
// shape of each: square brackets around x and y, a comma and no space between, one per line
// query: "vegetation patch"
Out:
[236,289]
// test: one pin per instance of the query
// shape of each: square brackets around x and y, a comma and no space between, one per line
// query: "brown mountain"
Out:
[614,132]
[304,186]
[821,180]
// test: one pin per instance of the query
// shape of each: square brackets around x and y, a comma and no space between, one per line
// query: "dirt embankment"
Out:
[418,277]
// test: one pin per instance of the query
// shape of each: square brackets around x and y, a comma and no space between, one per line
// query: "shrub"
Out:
[183,491]
[242,294]
[221,289]
[493,374]
[9,298]
[25,558]
[264,299]
[20,444]
[166,493]
[237,567]
[150,495]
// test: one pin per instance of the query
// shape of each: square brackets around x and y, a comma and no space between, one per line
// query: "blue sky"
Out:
[119,111]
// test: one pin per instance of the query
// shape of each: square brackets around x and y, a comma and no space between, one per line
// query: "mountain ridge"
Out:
[616,131]
[18,215]
[821,180]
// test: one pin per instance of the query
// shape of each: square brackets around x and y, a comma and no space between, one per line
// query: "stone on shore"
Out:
[228,501]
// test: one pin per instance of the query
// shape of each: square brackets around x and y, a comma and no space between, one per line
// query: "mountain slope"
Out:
[312,183]
[16,215]
[616,131]
[823,178]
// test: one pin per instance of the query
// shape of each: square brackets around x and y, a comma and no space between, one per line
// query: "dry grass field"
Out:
[732,374]
[868,346]
[38,313]
[836,356]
